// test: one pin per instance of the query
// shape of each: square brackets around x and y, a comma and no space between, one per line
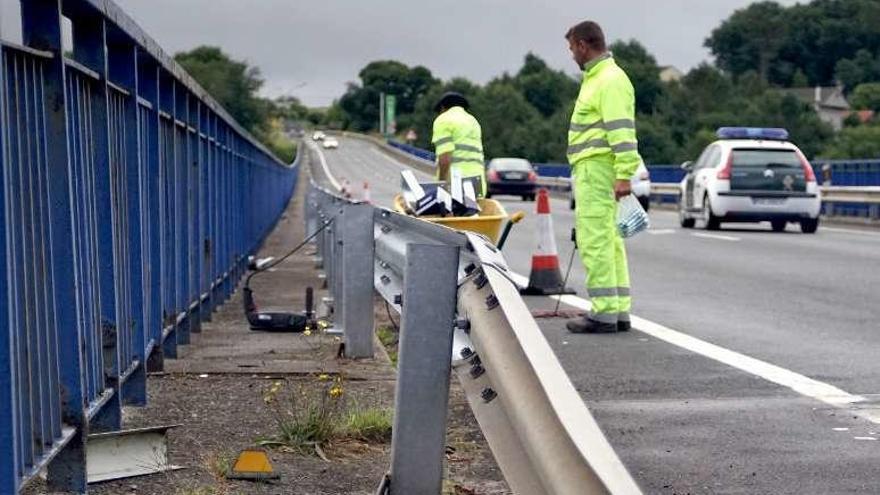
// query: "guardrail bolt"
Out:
[385,280]
[477,371]
[385,229]
[470,268]
[491,302]
[488,395]
[466,353]
[463,324]
[398,299]
[481,280]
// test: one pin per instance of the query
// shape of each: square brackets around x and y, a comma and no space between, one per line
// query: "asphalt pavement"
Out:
[754,366]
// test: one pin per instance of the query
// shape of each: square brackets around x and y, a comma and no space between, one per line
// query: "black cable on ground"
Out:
[289,254]
[565,282]
[388,310]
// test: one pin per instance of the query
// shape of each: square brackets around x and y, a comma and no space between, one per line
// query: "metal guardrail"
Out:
[129,202]
[460,312]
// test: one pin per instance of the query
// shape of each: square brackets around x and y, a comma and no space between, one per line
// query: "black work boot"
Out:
[623,326]
[586,325]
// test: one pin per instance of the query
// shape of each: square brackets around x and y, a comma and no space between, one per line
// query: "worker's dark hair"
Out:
[589,32]
[451,99]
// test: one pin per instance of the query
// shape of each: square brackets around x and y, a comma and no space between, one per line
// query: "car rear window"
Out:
[766,158]
[512,165]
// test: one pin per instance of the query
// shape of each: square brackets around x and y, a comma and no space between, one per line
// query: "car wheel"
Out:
[711,221]
[645,201]
[810,225]
[778,225]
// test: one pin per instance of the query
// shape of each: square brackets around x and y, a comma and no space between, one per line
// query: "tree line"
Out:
[759,52]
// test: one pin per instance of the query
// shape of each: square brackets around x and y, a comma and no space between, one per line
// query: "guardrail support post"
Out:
[357,280]
[422,395]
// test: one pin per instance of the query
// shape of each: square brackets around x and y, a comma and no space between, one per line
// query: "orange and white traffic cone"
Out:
[545,278]
[367,198]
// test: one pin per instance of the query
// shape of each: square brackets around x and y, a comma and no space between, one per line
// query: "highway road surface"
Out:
[754,366]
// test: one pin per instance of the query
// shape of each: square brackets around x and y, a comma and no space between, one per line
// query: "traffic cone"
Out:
[545,278]
[367,198]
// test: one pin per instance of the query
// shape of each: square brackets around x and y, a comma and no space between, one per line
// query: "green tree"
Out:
[234,84]
[751,38]
[545,89]
[643,71]
[855,142]
[866,97]
[799,80]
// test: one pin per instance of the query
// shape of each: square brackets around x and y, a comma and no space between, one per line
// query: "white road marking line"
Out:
[801,384]
[661,231]
[719,237]
[326,168]
[840,429]
[850,231]
[865,438]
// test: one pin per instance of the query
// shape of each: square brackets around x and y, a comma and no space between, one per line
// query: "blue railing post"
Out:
[122,72]
[89,49]
[41,27]
[167,213]
[9,470]
[151,218]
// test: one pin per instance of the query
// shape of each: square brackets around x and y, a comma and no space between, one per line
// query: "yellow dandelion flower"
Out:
[335,391]
[307,332]
[323,377]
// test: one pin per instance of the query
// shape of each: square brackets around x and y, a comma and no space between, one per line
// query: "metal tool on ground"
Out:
[275,321]
[252,464]
[544,277]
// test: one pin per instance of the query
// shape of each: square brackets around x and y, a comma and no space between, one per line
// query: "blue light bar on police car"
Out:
[768,133]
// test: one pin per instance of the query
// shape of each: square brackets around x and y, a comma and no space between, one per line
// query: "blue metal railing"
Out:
[129,202]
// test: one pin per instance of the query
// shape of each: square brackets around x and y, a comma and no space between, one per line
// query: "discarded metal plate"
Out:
[252,464]
[128,453]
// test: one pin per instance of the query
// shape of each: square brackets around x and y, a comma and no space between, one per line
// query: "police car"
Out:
[750,175]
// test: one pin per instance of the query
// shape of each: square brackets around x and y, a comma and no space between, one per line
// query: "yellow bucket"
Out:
[488,223]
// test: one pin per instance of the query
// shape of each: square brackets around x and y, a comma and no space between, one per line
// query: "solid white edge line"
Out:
[801,384]
[326,168]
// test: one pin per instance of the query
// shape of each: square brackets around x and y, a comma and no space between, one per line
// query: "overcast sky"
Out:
[311,48]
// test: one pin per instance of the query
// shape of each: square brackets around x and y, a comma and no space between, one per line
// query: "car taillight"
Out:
[809,175]
[533,176]
[493,175]
[724,173]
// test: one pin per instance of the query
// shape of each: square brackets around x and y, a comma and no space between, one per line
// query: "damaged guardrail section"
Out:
[461,313]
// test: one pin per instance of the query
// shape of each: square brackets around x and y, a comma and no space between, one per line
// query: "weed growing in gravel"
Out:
[313,415]
[369,424]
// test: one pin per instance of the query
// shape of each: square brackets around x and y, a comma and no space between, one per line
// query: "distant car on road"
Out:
[513,176]
[318,135]
[330,143]
[641,187]
[750,175]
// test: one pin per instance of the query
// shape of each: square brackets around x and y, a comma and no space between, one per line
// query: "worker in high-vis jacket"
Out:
[458,141]
[603,153]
